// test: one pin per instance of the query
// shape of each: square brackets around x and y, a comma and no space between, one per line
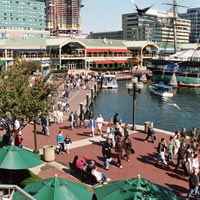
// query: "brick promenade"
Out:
[142,162]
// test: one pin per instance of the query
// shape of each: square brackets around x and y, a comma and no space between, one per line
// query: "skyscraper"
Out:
[63,16]
[22,17]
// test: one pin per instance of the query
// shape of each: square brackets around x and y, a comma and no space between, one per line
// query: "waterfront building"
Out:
[193,14]
[63,17]
[155,26]
[79,53]
[23,18]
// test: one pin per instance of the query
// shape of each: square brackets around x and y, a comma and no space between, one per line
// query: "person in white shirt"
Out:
[60,116]
[195,162]
[100,176]
[99,123]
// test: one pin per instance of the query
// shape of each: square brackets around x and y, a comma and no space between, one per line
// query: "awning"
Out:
[121,61]
[119,50]
[97,50]
[104,61]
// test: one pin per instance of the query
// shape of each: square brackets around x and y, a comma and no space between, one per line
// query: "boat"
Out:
[184,66]
[109,81]
[161,89]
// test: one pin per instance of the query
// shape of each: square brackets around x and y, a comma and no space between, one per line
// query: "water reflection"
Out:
[151,107]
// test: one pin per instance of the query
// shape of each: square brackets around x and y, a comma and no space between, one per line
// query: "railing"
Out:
[7,191]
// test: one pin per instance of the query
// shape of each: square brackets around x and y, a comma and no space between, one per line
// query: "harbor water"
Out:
[171,114]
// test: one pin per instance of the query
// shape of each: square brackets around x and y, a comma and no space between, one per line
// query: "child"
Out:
[68,141]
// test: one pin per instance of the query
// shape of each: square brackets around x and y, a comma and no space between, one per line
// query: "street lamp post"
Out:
[133,87]
[35,134]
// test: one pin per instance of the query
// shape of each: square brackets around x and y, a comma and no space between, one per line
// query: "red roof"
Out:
[119,50]
[97,50]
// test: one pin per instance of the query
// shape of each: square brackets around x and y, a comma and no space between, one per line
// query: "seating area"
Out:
[84,174]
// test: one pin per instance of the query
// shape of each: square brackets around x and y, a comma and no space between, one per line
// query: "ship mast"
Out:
[174,25]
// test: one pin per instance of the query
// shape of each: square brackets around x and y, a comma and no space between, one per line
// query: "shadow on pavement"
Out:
[178,190]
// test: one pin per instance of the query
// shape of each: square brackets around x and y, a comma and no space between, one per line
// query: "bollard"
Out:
[92,94]
[81,108]
[87,101]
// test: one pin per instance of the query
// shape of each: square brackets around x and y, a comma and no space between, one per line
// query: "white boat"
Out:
[161,90]
[109,81]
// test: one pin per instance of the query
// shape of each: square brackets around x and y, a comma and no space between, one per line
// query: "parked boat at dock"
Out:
[109,81]
[184,66]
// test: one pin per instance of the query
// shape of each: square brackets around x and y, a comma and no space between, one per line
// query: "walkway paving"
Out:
[142,162]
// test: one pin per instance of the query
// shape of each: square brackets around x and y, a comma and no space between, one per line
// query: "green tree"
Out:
[22,95]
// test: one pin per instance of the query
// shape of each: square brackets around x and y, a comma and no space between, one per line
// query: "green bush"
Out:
[18,177]
[32,178]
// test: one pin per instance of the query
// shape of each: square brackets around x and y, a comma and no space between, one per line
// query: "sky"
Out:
[106,15]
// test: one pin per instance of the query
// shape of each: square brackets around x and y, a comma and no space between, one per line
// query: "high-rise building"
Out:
[193,14]
[156,26]
[23,18]
[63,17]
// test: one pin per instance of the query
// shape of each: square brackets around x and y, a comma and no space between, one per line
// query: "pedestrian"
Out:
[115,118]
[162,147]
[193,184]
[109,127]
[45,125]
[55,116]
[125,130]
[60,142]
[181,158]
[76,119]
[92,125]
[100,176]
[82,119]
[170,148]
[60,116]
[18,139]
[183,133]
[127,144]
[17,125]
[91,115]
[189,156]
[151,132]
[177,143]
[71,120]
[107,154]
[68,141]
[99,123]
[119,151]
[195,161]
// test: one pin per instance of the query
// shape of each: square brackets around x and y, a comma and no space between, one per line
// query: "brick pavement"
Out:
[142,162]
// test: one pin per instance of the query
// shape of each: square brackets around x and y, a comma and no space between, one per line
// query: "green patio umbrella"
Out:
[56,189]
[15,158]
[133,189]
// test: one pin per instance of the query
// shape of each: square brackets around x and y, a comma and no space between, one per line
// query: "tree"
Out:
[23,96]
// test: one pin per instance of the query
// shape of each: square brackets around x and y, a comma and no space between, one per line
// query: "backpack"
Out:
[158,147]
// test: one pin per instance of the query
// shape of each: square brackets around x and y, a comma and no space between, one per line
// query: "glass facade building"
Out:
[193,15]
[22,15]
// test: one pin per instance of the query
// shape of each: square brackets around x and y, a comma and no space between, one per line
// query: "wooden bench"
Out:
[83,173]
